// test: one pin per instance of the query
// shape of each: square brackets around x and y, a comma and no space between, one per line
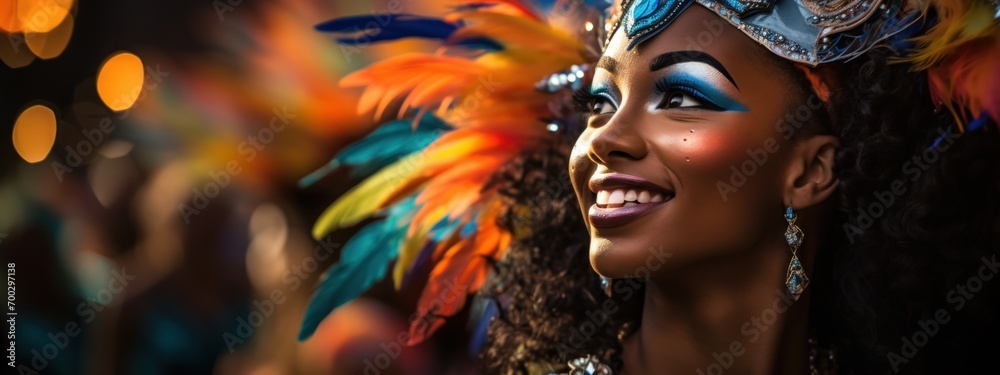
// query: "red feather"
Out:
[462,269]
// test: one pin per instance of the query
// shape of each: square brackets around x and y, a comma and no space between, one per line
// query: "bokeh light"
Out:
[12,50]
[8,17]
[51,44]
[268,231]
[119,81]
[34,133]
[41,16]
[147,104]
[110,178]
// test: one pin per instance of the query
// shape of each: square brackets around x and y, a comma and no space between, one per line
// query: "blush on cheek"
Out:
[713,151]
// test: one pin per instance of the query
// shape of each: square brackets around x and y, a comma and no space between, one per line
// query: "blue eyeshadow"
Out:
[700,89]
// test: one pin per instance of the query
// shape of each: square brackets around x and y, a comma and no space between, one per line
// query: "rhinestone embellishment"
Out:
[588,365]
[795,279]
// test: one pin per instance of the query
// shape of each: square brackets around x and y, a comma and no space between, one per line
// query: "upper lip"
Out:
[624,181]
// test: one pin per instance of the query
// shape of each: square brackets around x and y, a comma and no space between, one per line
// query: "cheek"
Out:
[580,165]
[705,155]
[578,156]
[727,175]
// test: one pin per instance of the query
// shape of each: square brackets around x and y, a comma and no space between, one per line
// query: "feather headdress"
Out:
[463,112]
[490,93]
[961,53]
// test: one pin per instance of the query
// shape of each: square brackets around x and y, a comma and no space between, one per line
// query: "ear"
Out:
[820,80]
[810,178]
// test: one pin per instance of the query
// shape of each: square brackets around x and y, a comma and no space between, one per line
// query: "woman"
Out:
[776,199]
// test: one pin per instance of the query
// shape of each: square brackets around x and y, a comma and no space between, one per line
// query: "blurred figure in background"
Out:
[149,199]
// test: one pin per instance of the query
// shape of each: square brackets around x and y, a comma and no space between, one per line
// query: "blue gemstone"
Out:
[788,213]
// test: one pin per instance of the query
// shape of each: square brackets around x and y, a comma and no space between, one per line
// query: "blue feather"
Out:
[382,27]
[444,228]
[363,262]
[474,6]
[469,228]
[978,122]
[387,144]
[482,43]
[483,311]
[425,253]
[440,232]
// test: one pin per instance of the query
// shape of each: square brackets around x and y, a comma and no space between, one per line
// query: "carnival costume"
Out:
[500,84]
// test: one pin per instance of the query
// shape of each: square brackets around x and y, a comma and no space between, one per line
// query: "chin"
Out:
[627,257]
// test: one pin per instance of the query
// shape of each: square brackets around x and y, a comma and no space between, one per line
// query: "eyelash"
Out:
[585,101]
[664,88]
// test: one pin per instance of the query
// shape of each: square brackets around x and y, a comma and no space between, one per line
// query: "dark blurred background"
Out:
[151,217]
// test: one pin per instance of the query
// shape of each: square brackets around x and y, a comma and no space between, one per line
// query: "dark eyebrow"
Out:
[677,57]
[608,63]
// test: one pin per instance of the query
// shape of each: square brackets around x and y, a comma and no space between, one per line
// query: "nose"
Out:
[616,140]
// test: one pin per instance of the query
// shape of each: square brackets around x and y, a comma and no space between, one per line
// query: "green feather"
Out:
[363,262]
[365,199]
[383,146]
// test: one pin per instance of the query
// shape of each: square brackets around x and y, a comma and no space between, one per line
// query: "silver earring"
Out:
[795,279]
[606,285]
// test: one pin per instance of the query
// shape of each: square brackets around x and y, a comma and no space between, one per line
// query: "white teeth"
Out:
[623,198]
[617,197]
[630,196]
[643,196]
[602,197]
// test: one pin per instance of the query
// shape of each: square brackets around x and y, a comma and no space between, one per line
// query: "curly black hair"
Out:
[902,283]
[545,284]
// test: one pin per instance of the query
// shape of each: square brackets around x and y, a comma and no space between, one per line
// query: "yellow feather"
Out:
[959,21]
[519,32]
[365,199]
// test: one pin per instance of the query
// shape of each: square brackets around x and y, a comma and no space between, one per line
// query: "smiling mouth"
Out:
[620,199]
[616,198]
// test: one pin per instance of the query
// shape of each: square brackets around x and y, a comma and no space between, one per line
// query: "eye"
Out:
[684,95]
[593,104]
[601,106]
[679,99]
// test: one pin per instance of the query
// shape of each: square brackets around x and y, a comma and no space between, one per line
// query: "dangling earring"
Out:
[606,285]
[795,279]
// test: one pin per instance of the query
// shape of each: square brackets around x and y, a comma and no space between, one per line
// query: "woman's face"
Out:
[684,152]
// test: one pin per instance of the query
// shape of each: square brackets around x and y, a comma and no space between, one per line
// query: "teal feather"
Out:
[444,228]
[469,229]
[383,146]
[363,262]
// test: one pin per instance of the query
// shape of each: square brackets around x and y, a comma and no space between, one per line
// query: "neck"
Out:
[730,316]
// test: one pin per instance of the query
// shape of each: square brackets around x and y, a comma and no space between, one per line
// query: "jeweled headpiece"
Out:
[806,31]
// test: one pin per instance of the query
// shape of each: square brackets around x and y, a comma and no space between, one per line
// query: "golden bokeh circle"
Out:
[35,133]
[51,44]
[119,81]
[8,17]
[41,16]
